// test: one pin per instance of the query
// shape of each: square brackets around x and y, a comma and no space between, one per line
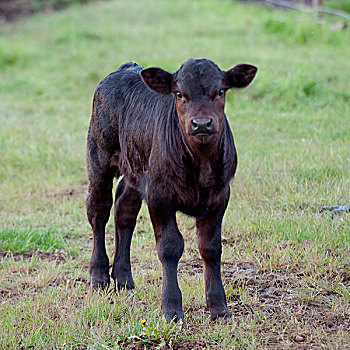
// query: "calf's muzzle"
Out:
[201,126]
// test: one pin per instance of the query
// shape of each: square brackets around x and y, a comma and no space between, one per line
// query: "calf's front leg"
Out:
[170,246]
[209,243]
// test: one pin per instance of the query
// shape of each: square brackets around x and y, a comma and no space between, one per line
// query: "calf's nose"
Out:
[201,125]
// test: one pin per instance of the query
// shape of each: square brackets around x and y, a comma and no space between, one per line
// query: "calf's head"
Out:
[199,89]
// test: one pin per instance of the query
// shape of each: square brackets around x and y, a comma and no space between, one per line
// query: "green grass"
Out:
[343,5]
[21,239]
[292,132]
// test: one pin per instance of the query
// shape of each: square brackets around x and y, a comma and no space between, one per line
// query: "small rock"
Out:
[299,338]
[338,26]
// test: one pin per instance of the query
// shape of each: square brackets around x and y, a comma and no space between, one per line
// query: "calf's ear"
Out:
[240,76]
[157,79]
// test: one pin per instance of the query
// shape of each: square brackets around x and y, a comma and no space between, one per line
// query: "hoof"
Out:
[220,314]
[123,279]
[99,284]
[128,285]
[174,316]
[220,317]
[99,278]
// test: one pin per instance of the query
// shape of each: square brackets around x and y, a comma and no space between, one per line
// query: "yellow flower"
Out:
[143,321]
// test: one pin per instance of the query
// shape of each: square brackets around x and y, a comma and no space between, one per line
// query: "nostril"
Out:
[194,124]
[209,123]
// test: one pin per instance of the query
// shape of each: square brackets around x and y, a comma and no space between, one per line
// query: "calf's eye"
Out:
[178,95]
[221,93]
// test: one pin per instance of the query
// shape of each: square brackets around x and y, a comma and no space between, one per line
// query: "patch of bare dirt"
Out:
[73,192]
[282,298]
[179,345]
[16,290]
[23,288]
[60,256]
[11,10]
[191,267]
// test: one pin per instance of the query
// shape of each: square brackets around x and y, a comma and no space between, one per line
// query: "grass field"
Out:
[286,270]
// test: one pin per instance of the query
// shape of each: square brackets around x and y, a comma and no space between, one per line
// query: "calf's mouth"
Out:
[202,138]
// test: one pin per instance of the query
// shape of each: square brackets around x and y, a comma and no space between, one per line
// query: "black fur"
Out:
[140,129]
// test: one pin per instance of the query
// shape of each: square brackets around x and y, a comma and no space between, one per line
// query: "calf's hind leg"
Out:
[98,205]
[127,206]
